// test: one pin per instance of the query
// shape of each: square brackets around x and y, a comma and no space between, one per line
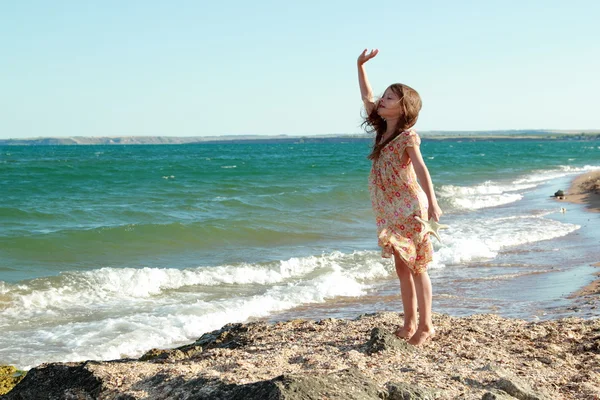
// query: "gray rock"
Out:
[513,385]
[344,385]
[58,381]
[497,395]
[404,391]
[77,381]
[231,336]
[468,382]
[163,355]
[559,193]
[383,340]
[517,388]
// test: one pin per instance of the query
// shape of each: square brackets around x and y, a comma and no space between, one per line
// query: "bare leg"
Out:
[409,299]
[424,298]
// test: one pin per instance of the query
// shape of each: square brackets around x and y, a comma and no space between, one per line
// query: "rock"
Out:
[163,355]
[329,359]
[497,395]
[58,381]
[404,391]
[231,336]
[383,340]
[345,385]
[468,382]
[559,193]
[64,381]
[512,385]
[517,388]
[592,346]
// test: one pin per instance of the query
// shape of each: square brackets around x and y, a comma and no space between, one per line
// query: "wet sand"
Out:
[593,289]
[585,189]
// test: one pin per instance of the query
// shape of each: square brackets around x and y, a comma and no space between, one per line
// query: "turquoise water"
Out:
[133,247]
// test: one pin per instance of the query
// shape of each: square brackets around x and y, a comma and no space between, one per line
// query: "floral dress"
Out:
[397,198]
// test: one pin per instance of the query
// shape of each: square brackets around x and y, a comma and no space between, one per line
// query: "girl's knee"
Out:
[401,267]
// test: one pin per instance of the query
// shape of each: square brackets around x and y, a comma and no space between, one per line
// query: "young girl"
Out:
[397,197]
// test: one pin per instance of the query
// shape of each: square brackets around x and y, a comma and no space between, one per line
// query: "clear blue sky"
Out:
[196,68]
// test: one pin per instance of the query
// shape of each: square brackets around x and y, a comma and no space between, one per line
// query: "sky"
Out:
[200,68]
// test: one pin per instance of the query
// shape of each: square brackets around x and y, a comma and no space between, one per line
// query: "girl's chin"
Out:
[383,114]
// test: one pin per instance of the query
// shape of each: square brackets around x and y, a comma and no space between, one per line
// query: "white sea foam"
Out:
[3,287]
[478,239]
[493,194]
[128,284]
[540,177]
[110,313]
[488,194]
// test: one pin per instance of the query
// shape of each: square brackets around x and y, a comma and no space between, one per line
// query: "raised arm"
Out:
[365,87]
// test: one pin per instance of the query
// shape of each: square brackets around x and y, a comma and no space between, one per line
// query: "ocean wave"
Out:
[110,313]
[479,239]
[487,194]
[113,285]
[541,176]
[496,193]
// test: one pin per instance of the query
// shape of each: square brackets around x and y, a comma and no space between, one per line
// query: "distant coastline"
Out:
[332,138]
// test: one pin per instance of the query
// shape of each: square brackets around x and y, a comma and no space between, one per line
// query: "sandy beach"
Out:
[585,189]
[476,357]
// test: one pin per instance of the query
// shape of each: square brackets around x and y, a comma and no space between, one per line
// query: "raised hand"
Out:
[366,56]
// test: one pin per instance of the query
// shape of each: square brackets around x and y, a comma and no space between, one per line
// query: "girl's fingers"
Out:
[366,55]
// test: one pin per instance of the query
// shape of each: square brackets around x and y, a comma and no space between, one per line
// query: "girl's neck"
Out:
[391,127]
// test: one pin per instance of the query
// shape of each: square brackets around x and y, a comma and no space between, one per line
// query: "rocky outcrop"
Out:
[383,340]
[477,357]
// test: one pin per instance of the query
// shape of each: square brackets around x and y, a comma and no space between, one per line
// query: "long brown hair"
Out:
[410,103]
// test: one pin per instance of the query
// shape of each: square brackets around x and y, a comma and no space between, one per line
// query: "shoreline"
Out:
[474,357]
[585,189]
[591,290]
[590,294]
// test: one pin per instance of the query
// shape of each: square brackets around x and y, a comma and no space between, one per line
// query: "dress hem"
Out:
[388,249]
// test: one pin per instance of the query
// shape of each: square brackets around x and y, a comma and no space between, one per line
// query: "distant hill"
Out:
[336,138]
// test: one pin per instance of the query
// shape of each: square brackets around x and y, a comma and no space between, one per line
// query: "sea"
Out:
[109,251]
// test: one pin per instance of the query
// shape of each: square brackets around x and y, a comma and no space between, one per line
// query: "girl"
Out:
[397,197]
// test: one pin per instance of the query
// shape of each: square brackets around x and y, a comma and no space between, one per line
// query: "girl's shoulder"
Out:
[405,135]
[410,137]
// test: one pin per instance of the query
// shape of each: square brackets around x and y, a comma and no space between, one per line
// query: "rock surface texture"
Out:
[476,357]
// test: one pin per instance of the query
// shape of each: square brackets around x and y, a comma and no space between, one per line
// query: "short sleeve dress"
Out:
[397,198]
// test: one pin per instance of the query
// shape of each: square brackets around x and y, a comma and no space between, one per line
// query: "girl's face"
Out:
[389,105]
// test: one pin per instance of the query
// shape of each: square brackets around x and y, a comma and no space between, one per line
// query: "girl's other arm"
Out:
[425,180]
[365,87]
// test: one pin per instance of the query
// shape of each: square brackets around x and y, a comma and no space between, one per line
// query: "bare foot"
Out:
[421,336]
[404,332]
